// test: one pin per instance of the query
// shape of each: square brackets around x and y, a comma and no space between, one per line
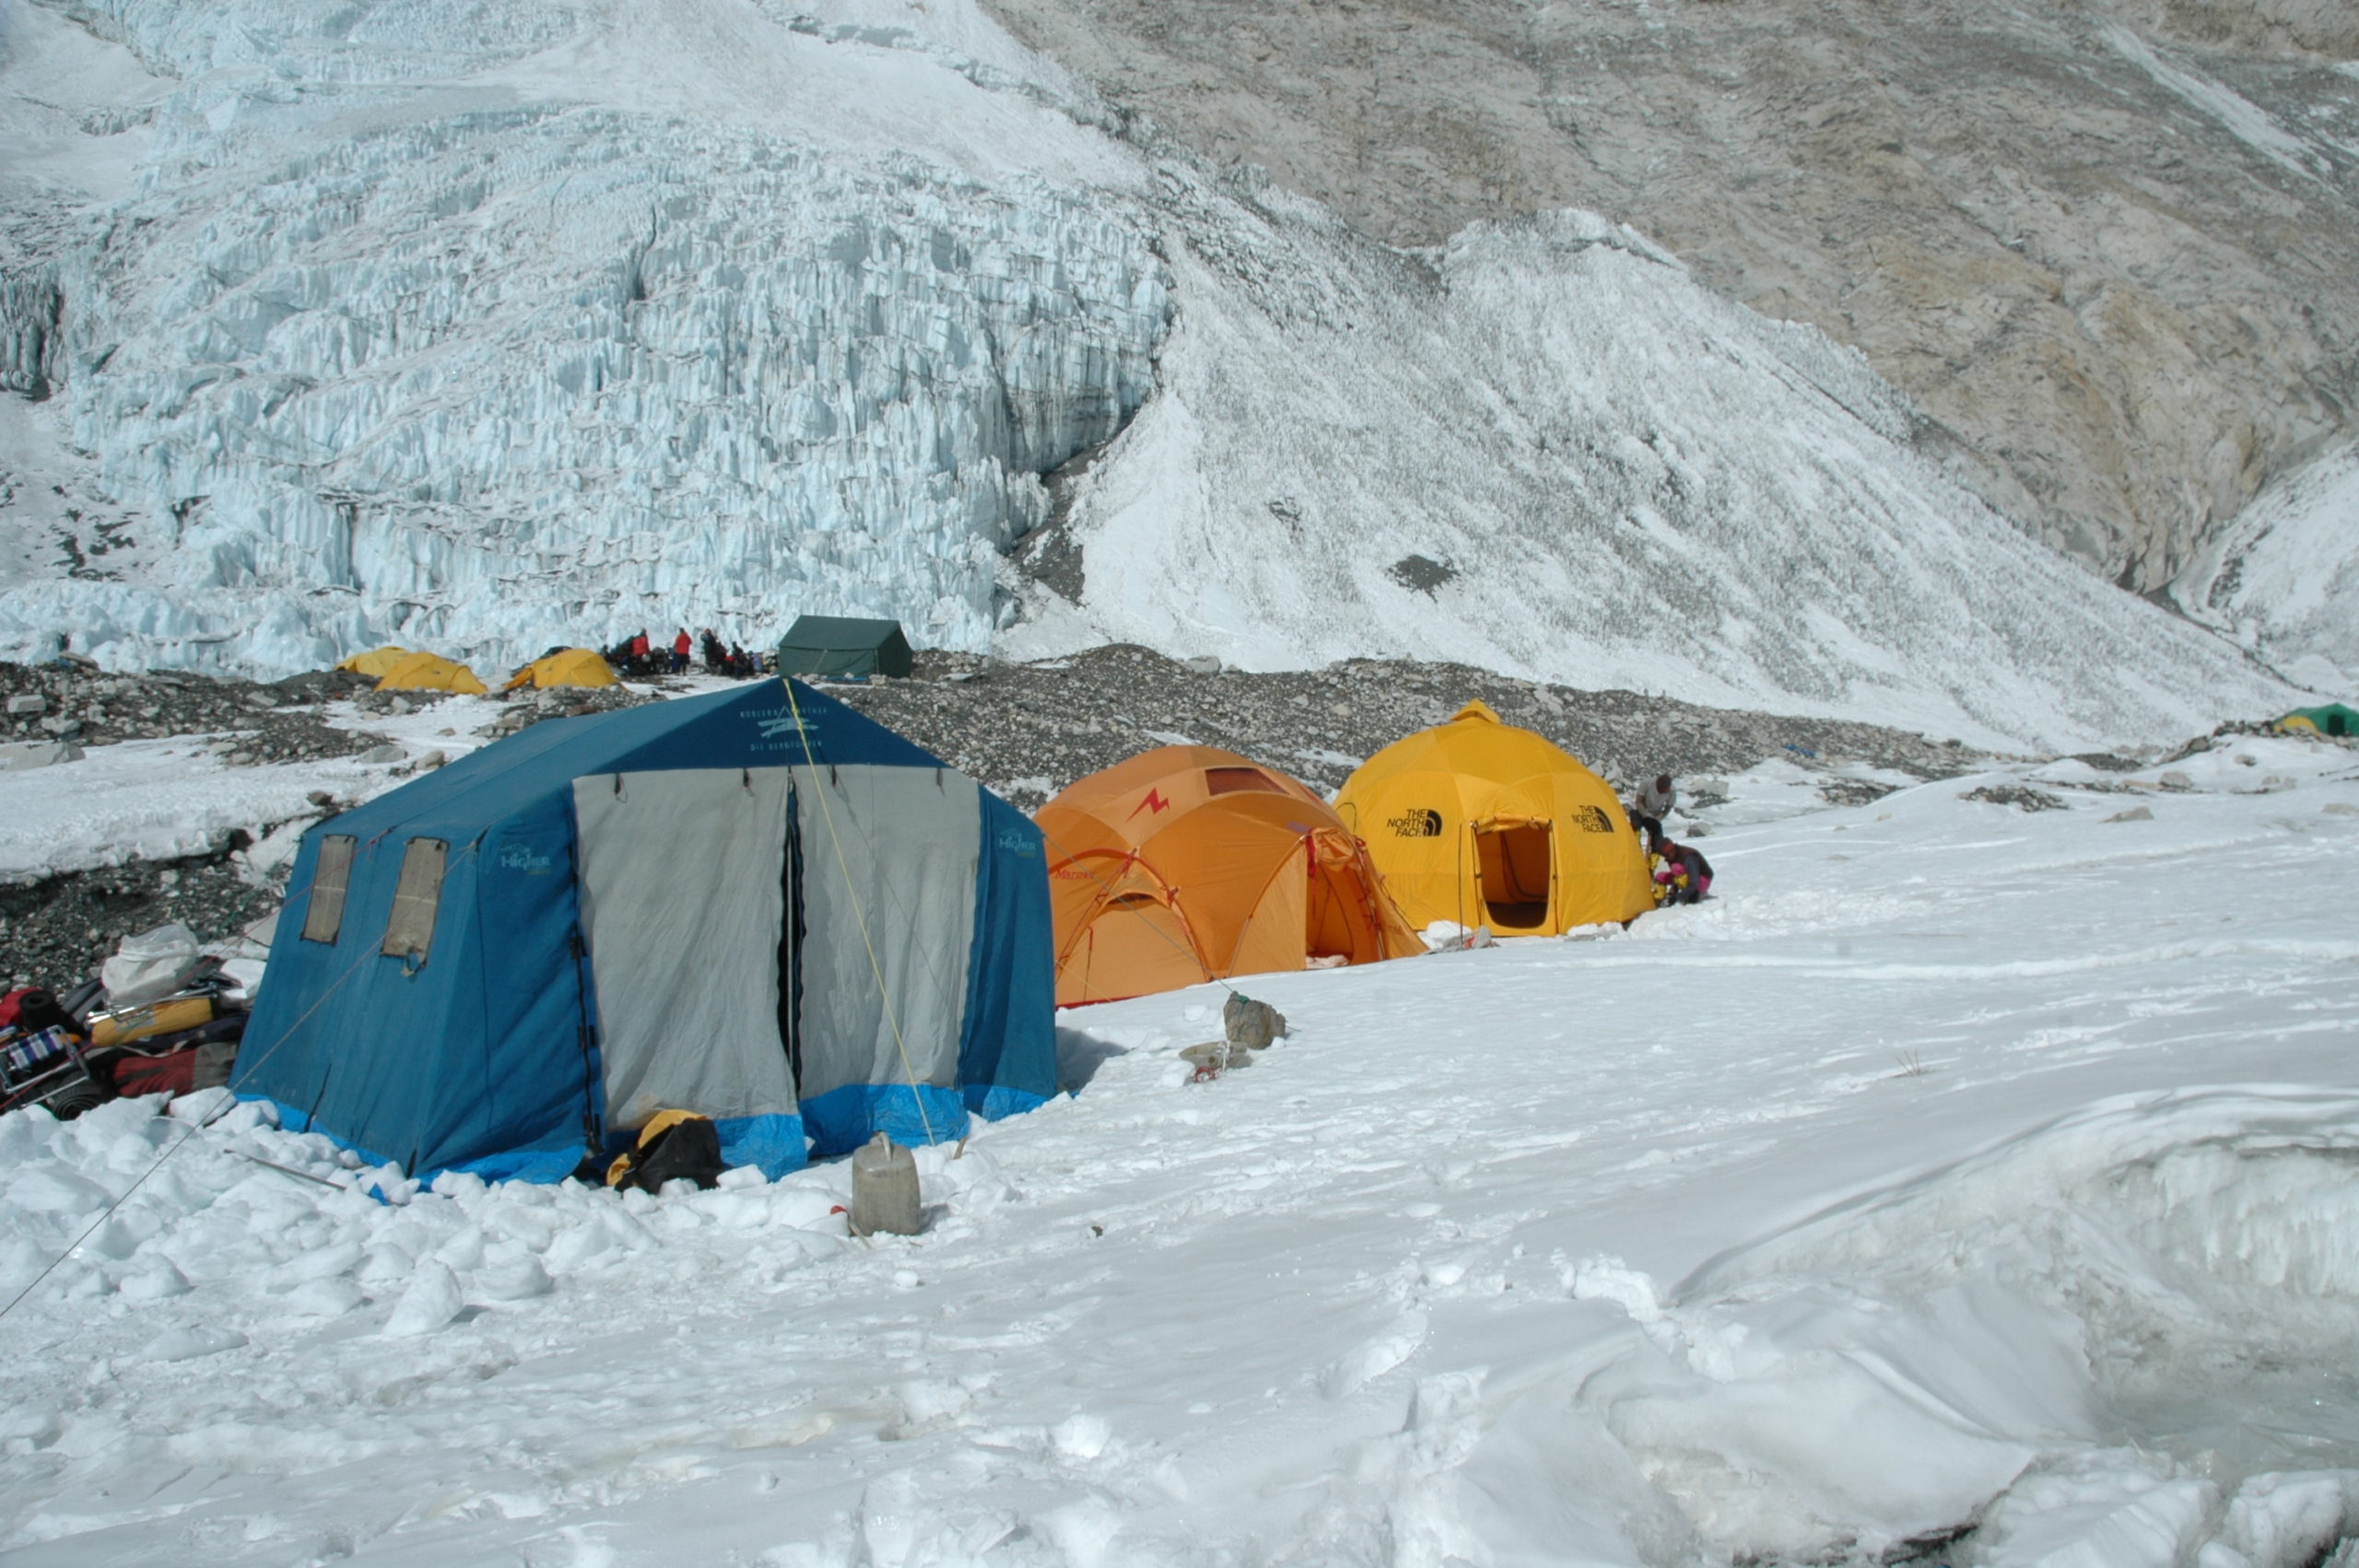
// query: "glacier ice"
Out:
[488,374]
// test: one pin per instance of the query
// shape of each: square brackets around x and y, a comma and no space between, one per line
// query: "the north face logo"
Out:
[1424,823]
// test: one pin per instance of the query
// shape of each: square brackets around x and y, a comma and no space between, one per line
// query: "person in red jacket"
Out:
[680,647]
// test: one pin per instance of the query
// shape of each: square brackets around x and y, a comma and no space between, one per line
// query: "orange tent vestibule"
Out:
[1189,863]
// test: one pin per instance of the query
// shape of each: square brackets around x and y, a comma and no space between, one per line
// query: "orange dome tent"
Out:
[1484,823]
[1186,865]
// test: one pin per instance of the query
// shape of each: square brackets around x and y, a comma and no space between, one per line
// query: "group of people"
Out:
[1682,873]
[637,656]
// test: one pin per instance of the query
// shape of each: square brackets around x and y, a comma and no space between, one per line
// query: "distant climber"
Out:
[715,656]
[680,649]
[1684,871]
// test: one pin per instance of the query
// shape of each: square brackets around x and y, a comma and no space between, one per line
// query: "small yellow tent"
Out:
[1478,822]
[375,663]
[427,672]
[1186,865]
[566,667]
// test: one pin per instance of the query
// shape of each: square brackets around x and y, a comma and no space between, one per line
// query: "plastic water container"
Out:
[884,1191]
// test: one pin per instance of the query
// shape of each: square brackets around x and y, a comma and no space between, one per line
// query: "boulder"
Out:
[1251,1024]
[18,756]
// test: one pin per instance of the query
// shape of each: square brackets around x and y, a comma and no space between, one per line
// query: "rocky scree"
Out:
[255,723]
[1027,731]
[526,708]
[55,931]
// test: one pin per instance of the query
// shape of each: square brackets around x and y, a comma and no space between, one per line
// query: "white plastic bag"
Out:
[144,967]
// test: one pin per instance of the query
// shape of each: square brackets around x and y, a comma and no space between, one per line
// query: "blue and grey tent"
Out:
[759,906]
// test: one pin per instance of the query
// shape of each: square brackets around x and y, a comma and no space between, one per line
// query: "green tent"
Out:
[2332,719]
[839,646]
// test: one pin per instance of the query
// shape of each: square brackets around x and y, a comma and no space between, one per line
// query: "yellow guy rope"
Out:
[858,913]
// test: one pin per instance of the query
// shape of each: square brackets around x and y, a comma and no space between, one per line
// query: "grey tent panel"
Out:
[683,904]
[838,645]
[892,849]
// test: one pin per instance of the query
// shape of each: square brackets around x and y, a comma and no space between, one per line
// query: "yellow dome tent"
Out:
[566,667]
[1186,865]
[429,673]
[375,663]
[1478,822]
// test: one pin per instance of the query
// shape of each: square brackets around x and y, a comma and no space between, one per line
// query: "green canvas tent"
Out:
[2331,719]
[837,644]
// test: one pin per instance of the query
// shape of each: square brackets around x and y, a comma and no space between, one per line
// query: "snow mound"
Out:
[2057,1325]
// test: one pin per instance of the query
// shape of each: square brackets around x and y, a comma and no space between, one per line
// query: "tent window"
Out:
[1230,781]
[409,931]
[331,878]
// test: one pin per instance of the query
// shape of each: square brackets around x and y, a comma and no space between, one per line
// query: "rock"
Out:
[2340,808]
[18,756]
[1202,664]
[2175,780]
[61,726]
[2135,814]
[1251,1024]
[27,705]
[386,753]
[2021,795]
[431,760]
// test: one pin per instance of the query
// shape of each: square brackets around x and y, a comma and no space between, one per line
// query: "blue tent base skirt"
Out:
[842,1119]
[833,1124]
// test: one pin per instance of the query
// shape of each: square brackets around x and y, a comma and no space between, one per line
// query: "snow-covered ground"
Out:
[159,800]
[1958,1163]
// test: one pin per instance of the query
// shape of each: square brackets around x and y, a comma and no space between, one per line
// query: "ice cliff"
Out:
[482,368]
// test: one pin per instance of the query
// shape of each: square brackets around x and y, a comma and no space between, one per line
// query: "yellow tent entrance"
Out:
[1480,822]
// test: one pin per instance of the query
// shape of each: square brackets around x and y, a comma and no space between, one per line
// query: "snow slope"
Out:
[2283,579]
[1632,482]
[1956,1164]
[489,326]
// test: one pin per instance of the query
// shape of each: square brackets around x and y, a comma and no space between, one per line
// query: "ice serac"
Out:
[456,362]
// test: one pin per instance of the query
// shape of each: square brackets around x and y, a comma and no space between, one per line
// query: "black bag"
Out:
[686,1146]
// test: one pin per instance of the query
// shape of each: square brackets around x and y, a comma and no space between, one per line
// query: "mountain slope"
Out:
[1553,452]
[2111,248]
